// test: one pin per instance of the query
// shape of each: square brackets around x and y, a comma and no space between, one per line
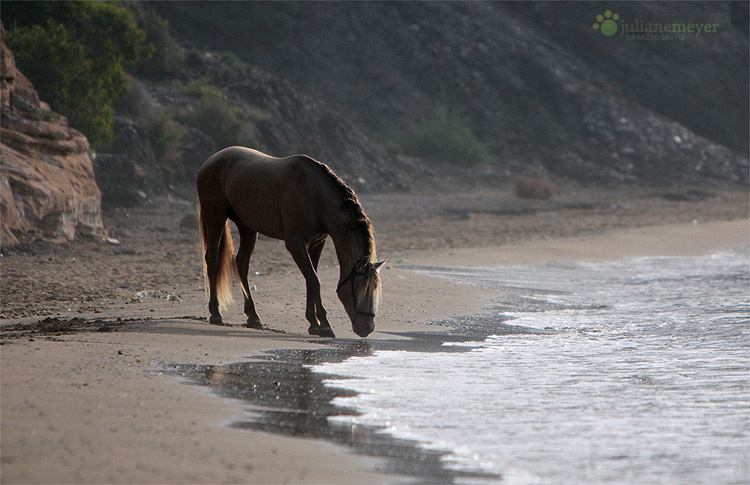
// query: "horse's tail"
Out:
[227,266]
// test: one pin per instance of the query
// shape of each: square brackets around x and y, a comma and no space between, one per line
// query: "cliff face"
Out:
[47,185]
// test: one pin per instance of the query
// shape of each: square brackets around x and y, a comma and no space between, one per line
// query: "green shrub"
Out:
[442,138]
[64,59]
[168,58]
[201,88]
[75,53]
[165,133]
[136,101]
[234,60]
[222,122]
[217,118]
[211,113]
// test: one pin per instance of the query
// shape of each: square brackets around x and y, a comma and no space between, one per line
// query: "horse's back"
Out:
[223,162]
[232,168]
[257,186]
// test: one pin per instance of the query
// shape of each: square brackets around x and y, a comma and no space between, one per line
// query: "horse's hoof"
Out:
[216,320]
[253,323]
[326,332]
[314,330]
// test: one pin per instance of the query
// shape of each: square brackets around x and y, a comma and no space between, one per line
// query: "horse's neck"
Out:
[351,245]
[349,250]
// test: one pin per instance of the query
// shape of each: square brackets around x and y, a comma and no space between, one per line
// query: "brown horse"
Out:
[300,201]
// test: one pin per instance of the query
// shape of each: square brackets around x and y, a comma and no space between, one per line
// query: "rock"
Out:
[47,185]
[128,169]
[196,147]
[533,188]
[120,179]
[189,223]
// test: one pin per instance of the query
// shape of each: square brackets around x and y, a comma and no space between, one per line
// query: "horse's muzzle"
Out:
[363,325]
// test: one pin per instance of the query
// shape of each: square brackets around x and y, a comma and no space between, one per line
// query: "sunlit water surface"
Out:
[642,376]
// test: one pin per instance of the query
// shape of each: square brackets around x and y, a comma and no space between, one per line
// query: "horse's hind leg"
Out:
[248,237]
[213,232]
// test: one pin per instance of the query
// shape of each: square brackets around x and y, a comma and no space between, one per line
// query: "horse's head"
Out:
[359,291]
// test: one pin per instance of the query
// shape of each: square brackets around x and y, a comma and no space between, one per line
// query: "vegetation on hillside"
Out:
[213,115]
[442,138]
[167,57]
[284,76]
[209,112]
[76,54]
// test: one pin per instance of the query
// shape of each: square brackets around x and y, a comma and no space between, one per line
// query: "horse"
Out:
[300,201]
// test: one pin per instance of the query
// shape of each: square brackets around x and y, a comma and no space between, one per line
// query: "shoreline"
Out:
[112,406]
[676,240]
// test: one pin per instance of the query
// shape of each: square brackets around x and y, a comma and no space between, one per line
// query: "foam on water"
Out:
[643,376]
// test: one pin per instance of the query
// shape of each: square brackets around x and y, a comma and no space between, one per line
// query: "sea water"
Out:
[639,373]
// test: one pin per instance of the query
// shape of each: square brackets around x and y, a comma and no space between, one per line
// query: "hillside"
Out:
[436,96]
[542,89]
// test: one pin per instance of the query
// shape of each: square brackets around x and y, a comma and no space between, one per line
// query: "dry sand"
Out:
[92,407]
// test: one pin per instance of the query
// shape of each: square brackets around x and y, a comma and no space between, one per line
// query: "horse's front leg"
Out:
[314,312]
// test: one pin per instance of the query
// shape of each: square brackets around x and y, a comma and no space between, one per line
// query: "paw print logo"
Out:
[606,23]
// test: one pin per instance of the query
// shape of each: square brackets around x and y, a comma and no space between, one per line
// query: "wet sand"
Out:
[95,405]
[92,407]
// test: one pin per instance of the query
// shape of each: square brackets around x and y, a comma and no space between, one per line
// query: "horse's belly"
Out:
[262,218]
[255,198]
[265,227]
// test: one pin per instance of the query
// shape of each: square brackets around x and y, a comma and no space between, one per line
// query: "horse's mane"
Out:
[359,223]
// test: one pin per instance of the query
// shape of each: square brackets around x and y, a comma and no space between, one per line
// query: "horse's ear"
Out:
[379,265]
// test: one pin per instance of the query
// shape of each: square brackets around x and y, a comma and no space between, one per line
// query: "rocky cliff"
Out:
[47,185]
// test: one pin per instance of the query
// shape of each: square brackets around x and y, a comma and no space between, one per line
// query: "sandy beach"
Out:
[87,401]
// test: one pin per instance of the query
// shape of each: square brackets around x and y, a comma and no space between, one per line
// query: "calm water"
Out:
[642,376]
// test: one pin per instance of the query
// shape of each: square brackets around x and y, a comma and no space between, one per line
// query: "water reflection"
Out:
[292,400]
